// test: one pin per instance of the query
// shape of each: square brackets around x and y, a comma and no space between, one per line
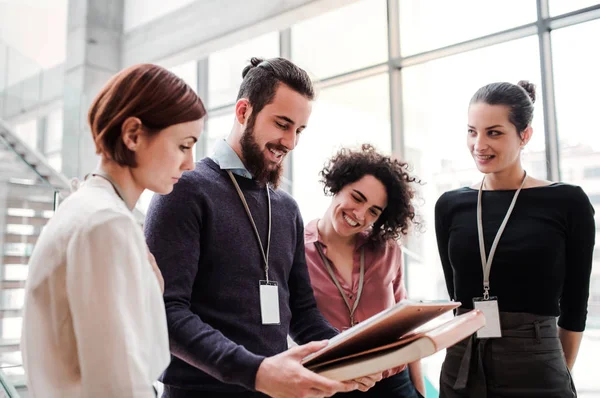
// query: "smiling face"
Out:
[272,133]
[493,140]
[357,206]
[163,157]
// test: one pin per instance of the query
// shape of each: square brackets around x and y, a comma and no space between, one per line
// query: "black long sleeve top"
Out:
[543,261]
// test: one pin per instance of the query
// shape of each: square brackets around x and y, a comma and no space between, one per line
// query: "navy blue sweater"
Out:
[210,259]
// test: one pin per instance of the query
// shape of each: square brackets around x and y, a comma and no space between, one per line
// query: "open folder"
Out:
[392,338]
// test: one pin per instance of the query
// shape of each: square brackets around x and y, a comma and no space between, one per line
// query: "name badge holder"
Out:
[268,290]
[489,304]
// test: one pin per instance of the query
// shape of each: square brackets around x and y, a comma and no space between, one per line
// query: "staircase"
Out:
[29,192]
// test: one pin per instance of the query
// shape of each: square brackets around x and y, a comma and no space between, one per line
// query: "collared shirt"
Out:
[94,322]
[383,281]
[227,159]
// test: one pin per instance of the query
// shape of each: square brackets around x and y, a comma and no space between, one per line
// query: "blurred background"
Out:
[395,73]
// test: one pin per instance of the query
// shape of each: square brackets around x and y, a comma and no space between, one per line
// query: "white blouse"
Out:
[94,322]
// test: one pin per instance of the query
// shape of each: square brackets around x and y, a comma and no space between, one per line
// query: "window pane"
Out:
[558,7]
[189,73]
[225,67]
[55,160]
[54,130]
[217,128]
[436,99]
[346,115]
[342,40]
[27,131]
[576,87]
[425,25]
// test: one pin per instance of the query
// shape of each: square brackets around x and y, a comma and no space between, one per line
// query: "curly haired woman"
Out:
[352,253]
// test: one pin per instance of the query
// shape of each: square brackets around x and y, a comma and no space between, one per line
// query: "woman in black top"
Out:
[539,268]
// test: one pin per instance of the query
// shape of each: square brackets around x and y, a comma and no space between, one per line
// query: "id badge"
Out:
[491,313]
[269,303]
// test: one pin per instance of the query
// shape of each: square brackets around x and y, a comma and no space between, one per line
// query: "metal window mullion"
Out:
[548,95]
[395,79]
[202,90]
[285,51]
[396,106]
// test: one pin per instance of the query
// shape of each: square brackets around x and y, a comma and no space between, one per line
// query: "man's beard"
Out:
[254,159]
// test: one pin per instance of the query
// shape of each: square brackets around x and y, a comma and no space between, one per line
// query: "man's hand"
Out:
[283,376]
[161,281]
[365,383]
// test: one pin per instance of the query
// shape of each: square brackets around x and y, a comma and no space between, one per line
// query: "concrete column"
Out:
[94,39]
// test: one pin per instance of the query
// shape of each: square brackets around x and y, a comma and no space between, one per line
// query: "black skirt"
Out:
[527,362]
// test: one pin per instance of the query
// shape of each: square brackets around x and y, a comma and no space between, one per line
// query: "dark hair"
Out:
[518,97]
[262,77]
[349,166]
[149,92]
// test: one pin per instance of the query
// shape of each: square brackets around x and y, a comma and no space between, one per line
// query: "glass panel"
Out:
[323,49]
[425,25]
[558,7]
[217,128]
[54,131]
[11,328]
[225,67]
[55,160]
[15,272]
[189,73]
[12,299]
[343,116]
[576,87]
[435,119]
[27,131]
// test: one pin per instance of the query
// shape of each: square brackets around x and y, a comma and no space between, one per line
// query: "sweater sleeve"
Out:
[579,253]
[173,230]
[442,232]
[308,324]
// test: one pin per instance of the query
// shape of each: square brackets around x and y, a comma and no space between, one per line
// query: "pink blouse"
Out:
[383,281]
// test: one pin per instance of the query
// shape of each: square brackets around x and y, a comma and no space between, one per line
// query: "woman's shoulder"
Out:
[454,196]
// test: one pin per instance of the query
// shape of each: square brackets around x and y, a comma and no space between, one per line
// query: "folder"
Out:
[391,338]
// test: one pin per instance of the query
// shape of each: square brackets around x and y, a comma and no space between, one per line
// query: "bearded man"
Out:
[230,247]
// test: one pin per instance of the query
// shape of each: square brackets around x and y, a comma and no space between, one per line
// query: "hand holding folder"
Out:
[392,338]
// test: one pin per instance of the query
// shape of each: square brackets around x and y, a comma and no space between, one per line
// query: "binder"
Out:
[391,338]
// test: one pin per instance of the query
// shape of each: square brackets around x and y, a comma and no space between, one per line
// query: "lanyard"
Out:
[487,264]
[243,199]
[117,188]
[361,280]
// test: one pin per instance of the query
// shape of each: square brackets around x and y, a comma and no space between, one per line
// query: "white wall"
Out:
[139,12]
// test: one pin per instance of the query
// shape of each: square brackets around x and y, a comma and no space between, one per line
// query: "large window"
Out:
[343,116]
[558,7]
[225,67]
[28,132]
[217,128]
[343,40]
[429,24]
[576,87]
[189,73]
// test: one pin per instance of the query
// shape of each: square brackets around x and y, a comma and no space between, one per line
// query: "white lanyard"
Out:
[361,280]
[243,199]
[487,264]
